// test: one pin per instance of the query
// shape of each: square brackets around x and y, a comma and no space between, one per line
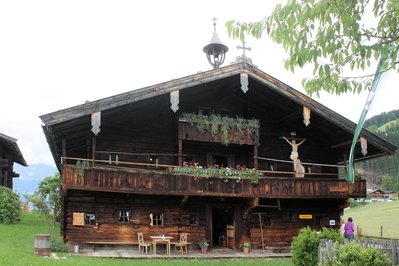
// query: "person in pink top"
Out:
[349,230]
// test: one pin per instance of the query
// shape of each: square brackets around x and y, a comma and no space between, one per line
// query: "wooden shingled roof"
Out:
[268,89]
[11,146]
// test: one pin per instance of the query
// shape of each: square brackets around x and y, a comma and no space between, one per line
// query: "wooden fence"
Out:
[383,245]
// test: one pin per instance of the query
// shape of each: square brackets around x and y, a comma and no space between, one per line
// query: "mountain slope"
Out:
[385,125]
[30,177]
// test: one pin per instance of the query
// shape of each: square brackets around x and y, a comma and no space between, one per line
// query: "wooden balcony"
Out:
[156,182]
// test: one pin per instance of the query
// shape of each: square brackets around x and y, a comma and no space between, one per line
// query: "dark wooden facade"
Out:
[9,153]
[131,163]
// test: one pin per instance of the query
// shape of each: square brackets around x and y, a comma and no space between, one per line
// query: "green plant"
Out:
[203,243]
[47,200]
[354,203]
[216,124]
[58,245]
[305,245]
[81,167]
[353,254]
[245,244]
[248,173]
[10,210]
[225,173]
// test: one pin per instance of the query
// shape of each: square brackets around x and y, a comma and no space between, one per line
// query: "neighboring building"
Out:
[122,161]
[380,195]
[9,153]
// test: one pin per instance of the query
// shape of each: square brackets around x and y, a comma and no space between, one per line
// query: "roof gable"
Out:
[11,145]
[258,81]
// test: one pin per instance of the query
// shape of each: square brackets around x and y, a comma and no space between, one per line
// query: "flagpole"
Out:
[350,177]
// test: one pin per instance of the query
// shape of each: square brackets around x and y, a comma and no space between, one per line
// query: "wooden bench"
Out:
[95,243]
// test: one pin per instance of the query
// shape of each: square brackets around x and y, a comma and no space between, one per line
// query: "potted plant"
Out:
[245,246]
[204,244]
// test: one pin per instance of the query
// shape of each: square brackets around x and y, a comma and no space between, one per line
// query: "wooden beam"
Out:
[256,157]
[63,147]
[3,163]
[183,201]
[180,152]
[93,156]
[348,142]
[208,227]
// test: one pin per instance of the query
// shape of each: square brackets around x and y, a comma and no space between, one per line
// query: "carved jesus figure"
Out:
[294,153]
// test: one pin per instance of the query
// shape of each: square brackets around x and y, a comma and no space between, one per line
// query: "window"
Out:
[124,216]
[154,160]
[194,219]
[156,219]
[90,219]
[113,158]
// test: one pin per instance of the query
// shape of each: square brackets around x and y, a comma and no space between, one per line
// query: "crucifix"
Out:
[294,153]
[243,50]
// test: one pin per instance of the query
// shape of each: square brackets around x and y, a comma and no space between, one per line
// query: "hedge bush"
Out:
[354,254]
[58,245]
[10,210]
[305,245]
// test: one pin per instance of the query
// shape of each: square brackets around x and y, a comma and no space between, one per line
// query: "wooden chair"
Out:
[142,243]
[182,245]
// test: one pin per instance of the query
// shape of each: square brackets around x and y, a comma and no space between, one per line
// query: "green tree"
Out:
[305,245]
[336,36]
[9,206]
[388,182]
[47,200]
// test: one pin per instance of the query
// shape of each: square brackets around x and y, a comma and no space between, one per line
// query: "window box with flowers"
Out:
[219,128]
[226,173]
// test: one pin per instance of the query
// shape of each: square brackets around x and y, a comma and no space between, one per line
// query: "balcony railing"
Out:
[161,182]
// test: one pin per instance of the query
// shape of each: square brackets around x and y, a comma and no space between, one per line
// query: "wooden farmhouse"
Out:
[210,155]
[380,195]
[9,153]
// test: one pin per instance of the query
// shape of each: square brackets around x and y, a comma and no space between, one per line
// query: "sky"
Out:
[58,54]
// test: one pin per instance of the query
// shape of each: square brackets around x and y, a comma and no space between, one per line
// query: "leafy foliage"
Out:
[305,245]
[239,173]
[353,254]
[58,245]
[335,36]
[203,243]
[47,199]
[222,124]
[10,210]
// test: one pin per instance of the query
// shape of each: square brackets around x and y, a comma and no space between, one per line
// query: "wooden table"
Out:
[161,240]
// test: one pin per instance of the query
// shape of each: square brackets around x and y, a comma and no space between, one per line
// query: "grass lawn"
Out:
[372,216]
[17,248]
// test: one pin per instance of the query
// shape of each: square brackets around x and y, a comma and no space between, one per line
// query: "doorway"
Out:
[221,217]
[220,159]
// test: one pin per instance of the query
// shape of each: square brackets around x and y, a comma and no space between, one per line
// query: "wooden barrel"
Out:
[42,245]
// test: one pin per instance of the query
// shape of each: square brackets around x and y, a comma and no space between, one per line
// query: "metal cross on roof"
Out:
[243,58]
[243,49]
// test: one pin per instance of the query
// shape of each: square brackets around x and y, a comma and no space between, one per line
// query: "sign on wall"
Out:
[305,216]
